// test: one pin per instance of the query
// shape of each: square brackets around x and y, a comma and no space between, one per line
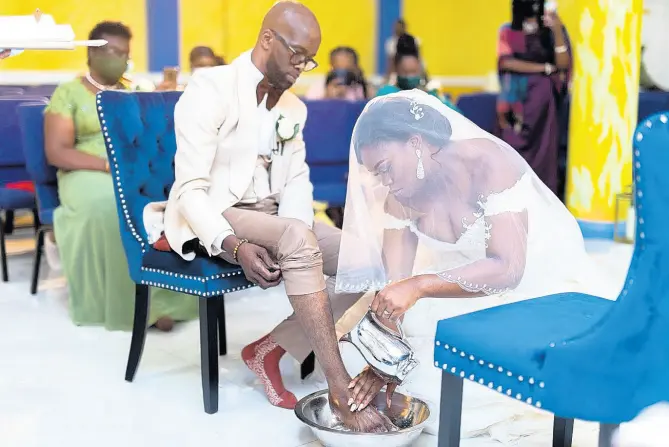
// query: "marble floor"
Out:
[63,385]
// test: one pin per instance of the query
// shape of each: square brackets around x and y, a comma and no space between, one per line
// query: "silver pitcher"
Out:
[386,351]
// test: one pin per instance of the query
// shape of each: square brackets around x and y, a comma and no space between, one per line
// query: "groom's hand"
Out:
[258,266]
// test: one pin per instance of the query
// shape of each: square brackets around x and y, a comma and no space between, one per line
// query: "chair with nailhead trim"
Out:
[139,135]
[577,356]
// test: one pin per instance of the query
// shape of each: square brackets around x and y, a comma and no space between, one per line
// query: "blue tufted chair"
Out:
[43,175]
[140,140]
[575,355]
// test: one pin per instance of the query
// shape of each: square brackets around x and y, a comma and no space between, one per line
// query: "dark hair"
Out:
[524,9]
[116,29]
[199,52]
[360,78]
[219,60]
[348,50]
[390,119]
[347,77]
[406,46]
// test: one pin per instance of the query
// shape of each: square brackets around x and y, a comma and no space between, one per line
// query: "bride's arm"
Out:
[399,242]
[501,269]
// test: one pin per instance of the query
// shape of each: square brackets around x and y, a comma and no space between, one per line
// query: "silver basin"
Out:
[407,413]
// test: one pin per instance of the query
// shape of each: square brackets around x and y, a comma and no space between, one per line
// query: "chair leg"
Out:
[222,337]
[209,309]
[563,429]
[308,365]
[139,328]
[39,247]
[3,252]
[606,432]
[36,222]
[450,411]
[9,222]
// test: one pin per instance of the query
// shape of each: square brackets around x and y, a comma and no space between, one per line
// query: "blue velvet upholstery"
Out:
[12,162]
[481,109]
[579,356]
[43,175]
[140,140]
[327,136]
[16,199]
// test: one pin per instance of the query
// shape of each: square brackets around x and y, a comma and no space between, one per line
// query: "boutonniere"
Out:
[286,130]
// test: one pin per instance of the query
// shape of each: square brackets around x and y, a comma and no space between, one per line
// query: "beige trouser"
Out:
[304,256]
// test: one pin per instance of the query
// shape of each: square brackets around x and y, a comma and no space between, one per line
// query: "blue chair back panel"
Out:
[139,128]
[327,136]
[11,91]
[43,175]
[481,109]
[651,103]
[41,90]
[12,161]
[651,160]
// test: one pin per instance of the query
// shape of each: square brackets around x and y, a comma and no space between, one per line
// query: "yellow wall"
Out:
[82,16]
[231,27]
[459,38]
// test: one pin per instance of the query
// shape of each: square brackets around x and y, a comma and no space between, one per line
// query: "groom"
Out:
[242,192]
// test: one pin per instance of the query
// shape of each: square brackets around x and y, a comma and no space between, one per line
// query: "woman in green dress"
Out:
[86,223]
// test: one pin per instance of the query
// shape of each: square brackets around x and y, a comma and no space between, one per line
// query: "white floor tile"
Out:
[63,385]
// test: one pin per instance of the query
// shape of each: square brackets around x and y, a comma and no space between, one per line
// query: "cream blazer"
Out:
[216,135]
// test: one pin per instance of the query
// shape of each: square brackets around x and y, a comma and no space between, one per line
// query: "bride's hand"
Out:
[395,299]
[365,387]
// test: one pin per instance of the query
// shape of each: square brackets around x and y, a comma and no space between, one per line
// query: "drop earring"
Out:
[420,169]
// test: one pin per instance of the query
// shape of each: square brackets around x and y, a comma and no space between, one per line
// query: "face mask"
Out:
[530,28]
[408,82]
[111,68]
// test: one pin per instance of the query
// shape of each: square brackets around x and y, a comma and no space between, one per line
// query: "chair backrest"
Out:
[480,108]
[327,135]
[12,161]
[633,338]
[651,103]
[10,91]
[41,90]
[43,175]
[141,144]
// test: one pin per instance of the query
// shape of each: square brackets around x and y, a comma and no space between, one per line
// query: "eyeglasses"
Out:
[296,58]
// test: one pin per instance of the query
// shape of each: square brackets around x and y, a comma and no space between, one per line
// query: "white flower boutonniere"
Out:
[286,130]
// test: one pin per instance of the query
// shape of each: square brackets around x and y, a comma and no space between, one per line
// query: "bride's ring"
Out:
[385,312]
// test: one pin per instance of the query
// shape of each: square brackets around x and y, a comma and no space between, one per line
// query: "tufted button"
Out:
[142,191]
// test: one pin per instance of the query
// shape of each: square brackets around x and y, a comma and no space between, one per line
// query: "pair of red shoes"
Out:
[262,357]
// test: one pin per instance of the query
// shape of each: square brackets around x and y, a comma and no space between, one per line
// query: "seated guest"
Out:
[342,59]
[410,75]
[202,57]
[344,84]
[86,222]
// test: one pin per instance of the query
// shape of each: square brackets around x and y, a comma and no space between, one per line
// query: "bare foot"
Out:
[368,420]
[164,324]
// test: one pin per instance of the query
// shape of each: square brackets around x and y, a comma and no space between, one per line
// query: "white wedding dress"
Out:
[487,413]
[411,146]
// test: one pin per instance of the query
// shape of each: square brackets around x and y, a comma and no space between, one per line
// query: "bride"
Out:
[438,208]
